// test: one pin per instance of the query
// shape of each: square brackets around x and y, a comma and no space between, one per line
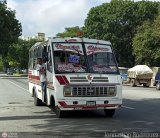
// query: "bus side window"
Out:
[39,52]
[35,58]
[111,59]
[45,54]
[30,59]
[49,61]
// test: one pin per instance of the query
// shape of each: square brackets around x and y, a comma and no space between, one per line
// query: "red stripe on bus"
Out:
[34,77]
[61,80]
[35,81]
[65,79]
[64,105]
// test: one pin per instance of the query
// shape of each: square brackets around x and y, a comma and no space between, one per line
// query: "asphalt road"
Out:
[19,117]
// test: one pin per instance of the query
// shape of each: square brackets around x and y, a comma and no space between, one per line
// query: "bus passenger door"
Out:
[49,73]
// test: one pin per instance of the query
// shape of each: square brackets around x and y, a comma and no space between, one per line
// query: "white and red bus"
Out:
[82,74]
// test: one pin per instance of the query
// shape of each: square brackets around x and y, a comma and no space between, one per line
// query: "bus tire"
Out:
[109,112]
[59,113]
[52,102]
[37,101]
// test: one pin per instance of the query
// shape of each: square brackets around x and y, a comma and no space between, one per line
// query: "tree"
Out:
[117,22]
[70,32]
[1,65]
[18,53]
[10,29]
[146,43]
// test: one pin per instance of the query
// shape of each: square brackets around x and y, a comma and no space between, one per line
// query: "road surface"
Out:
[19,117]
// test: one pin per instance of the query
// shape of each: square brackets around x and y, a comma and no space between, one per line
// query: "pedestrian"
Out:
[41,68]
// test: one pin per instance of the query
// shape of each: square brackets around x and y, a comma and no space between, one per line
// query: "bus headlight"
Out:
[112,91]
[67,90]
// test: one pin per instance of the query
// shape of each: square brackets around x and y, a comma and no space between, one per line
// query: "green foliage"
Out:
[18,53]
[117,22]
[146,43]
[70,32]
[10,28]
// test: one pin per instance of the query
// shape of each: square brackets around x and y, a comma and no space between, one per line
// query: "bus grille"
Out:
[86,91]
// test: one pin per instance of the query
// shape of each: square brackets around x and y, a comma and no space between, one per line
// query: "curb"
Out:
[13,77]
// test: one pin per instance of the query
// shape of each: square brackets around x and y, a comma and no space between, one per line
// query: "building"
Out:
[40,36]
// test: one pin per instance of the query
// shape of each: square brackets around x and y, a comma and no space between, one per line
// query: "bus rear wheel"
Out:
[37,101]
[109,112]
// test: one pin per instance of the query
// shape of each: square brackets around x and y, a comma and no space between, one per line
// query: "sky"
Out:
[51,16]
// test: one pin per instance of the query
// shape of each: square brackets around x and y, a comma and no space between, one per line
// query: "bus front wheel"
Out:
[59,113]
[52,103]
[109,112]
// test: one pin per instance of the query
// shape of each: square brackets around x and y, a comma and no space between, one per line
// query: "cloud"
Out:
[51,16]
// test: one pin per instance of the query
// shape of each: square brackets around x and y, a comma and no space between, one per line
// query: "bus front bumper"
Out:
[88,105]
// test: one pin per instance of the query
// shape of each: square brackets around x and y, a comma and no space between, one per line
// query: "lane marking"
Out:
[18,86]
[127,107]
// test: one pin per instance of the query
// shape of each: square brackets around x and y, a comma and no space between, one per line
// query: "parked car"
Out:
[157,81]
[9,72]
[124,73]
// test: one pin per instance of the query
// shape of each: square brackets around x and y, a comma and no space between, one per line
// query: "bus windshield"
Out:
[100,58]
[70,58]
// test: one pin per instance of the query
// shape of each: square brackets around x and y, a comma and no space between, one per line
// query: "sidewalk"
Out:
[20,76]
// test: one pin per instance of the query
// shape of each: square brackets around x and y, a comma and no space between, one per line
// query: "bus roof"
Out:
[78,39]
[70,39]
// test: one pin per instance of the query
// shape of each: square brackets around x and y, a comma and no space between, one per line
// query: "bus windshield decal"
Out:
[69,68]
[104,69]
[74,59]
[60,46]
[91,49]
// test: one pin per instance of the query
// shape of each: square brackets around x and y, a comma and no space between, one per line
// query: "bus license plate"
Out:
[91,103]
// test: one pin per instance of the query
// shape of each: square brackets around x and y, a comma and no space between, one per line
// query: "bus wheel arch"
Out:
[33,91]
[37,101]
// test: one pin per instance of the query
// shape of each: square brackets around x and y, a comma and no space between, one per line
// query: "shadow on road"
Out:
[135,116]
[142,115]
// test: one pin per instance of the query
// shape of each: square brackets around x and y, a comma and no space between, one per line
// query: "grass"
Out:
[19,75]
